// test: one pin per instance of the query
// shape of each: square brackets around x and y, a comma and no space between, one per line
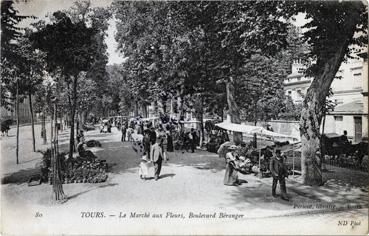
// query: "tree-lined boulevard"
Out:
[217,59]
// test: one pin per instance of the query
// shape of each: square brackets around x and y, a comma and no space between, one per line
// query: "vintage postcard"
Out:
[184,117]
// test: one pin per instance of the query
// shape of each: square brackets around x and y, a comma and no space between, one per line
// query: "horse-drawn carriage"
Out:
[338,150]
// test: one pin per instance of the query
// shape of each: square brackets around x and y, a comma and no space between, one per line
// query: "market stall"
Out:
[260,154]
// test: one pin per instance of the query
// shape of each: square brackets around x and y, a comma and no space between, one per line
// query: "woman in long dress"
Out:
[231,175]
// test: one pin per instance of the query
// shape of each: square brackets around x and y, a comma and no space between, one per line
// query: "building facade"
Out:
[24,113]
[350,94]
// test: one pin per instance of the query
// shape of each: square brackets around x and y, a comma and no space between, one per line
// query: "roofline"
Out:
[298,82]
[348,113]
[348,91]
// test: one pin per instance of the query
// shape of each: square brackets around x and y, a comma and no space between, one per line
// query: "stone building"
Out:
[350,94]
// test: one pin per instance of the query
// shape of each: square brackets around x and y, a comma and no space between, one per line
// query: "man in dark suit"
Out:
[124,131]
[279,172]
[146,142]
[156,156]
[193,139]
[152,135]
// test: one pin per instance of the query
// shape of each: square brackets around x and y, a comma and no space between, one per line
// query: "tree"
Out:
[31,73]
[333,27]
[67,46]
[261,88]
[10,31]
[69,49]
[43,104]
[10,60]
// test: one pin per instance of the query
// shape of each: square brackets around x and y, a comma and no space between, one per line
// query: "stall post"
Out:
[255,146]
[293,160]
[260,174]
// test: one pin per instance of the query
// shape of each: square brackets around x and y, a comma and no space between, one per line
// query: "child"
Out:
[145,166]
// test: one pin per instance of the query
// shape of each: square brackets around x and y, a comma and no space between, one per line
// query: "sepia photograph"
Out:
[184,117]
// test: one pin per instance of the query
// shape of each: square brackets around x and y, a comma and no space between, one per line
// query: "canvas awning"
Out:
[249,129]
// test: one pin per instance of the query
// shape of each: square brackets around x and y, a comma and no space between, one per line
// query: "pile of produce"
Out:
[75,170]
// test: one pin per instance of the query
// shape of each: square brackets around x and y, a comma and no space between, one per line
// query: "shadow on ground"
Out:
[201,160]
[21,176]
[91,189]
[257,195]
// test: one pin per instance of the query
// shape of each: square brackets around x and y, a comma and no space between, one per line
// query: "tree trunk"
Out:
[256,113]
[17,112]
[72,115]
[181,107]
[56,165]
[181,112]
[136,109]
[61,122]
[322,148]
[84,116]
[78,124]
[32,121]
[43,127]
[51,128]
[144,110]
[199,116]
[171,107]
[233,109]
[164,106]
[313,107]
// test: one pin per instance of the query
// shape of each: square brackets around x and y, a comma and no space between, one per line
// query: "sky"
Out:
[39,8]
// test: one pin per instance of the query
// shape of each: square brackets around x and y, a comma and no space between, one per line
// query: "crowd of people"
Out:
[152,141]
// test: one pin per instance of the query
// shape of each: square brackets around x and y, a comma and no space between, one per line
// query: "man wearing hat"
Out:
[279,172]
[156,156]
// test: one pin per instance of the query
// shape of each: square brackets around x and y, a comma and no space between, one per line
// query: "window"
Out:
[338,118]
[357,79]
[356,68]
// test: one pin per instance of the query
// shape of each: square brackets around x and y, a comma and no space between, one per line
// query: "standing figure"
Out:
[279,172]
[152,135]
[169,139]
[129,134]
[80,136]
[231,175]
[156,156]
[146,142]
[124,130]
[193,139]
